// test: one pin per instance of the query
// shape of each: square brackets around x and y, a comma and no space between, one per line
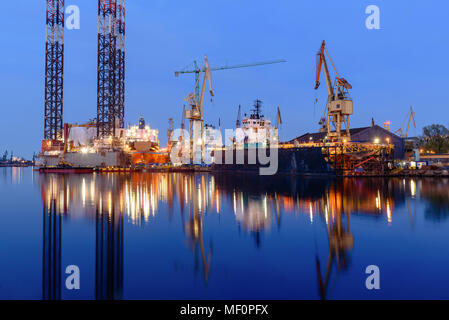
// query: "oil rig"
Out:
[103,141]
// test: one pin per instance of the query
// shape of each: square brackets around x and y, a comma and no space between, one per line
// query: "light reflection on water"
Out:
[227,236]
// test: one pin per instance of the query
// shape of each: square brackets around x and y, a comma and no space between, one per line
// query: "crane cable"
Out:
[332,63]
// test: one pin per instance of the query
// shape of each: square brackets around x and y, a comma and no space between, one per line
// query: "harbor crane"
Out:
[195,112]
[339,103]
[410,116]
[197,71]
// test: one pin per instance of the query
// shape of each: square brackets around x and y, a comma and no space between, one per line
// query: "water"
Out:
[181,236]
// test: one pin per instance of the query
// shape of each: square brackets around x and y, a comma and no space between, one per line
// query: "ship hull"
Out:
[297,161]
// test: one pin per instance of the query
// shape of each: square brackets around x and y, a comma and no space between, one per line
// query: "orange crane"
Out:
[339,103]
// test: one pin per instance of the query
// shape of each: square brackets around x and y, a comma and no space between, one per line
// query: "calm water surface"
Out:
[180,236]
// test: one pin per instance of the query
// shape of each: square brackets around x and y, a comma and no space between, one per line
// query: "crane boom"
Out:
[412,116]
[321,61]
[278,119]
[226,67]
[207,76]
[197,71]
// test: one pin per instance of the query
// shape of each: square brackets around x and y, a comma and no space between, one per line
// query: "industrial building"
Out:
[372,134]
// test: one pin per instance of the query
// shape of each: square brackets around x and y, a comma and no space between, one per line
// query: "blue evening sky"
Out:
[404,63]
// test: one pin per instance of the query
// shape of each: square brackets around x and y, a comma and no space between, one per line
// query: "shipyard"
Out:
[200,151]
[105,144]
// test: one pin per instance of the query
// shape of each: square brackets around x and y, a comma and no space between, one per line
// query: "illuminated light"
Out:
[83,191]
[84,150]
[265,206]
[218,203]
[344,140]
[388,212]
[326,214]
[311,213]
[413,188]
[376,140]
[110,203]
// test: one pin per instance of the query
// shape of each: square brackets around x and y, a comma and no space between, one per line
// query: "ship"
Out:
[256,140]
[83,150]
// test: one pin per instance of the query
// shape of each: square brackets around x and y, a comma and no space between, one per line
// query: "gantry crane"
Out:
[197,71]
[339,103]
[410,116]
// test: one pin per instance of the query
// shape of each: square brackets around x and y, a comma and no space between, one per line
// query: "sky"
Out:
[402,64]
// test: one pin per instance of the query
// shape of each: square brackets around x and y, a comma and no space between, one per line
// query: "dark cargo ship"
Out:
[302,161]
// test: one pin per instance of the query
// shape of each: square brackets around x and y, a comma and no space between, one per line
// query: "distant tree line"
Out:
[435,138]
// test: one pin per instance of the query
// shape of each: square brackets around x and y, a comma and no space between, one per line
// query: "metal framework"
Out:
[108,253]
[54,70]
[111,67]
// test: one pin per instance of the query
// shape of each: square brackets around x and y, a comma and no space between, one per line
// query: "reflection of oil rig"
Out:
[109,243]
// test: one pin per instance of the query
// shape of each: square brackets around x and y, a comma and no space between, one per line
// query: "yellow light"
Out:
[376,140]
[84,150]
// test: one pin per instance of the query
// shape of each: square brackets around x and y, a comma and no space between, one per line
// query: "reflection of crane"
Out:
[194,227]
[410,116]
[339,103]
[341,240]
[197,71]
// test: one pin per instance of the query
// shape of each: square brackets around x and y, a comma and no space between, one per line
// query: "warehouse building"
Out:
[372,134]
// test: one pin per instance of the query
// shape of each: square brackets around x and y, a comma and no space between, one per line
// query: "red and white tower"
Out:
[54,71]
[111,67]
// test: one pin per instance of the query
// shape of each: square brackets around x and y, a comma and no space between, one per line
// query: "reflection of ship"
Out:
[252,213]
